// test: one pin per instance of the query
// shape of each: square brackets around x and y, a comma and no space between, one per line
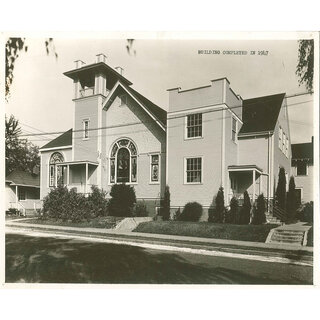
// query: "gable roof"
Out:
[19,177]
[302,151]
[63,140]
[156,112]
[261,114]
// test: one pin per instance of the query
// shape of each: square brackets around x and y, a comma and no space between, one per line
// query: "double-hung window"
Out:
[234,130]
[86,129]
[302,168]
[194,126]
[193,170]
[280,138]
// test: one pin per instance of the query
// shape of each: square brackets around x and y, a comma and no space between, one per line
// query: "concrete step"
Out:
[287,236]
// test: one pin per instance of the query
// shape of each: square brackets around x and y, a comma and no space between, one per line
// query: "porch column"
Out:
[17,197]
[85,187]
[254,186]
[68,175]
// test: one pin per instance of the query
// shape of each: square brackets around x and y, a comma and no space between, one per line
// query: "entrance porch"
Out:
[248,178]
[80,175]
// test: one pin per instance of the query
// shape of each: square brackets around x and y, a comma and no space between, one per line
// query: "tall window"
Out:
[86,129]
[56,171]
[123,162]
[194,125]
[234,129]
[301,168]
[287,147]
[21,194]
[155,168]
[280,138]
[193,170]
[284,143]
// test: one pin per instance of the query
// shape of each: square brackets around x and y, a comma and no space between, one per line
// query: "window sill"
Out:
[193,138]
[83,139]
[193,183]
[154,182]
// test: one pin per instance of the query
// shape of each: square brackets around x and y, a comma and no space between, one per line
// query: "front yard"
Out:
[99,222]
[255,233]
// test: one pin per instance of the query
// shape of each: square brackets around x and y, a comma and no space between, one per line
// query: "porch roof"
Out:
[245,167]
[94,163]
[23,178]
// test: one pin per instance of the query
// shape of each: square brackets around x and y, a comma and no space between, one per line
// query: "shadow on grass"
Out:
[51,260]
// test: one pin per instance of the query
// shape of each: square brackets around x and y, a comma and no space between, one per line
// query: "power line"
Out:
[169,118]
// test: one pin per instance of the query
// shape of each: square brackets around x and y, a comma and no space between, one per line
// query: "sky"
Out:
[41,96]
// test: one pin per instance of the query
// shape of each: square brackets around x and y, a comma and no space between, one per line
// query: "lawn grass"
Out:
[255,233]
[100,222]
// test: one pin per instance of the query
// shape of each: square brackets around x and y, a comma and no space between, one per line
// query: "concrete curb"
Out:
[167,238]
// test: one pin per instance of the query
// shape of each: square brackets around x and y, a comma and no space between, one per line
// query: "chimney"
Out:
[101,58]
[79,64]
[119,69]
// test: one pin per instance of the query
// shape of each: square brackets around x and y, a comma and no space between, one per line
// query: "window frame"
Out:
[159,167]
[302,175]
[186,126]
[185,175]
[115,159]
[280,138]
[85,131]
[22,192]
[54,166]
[234,120]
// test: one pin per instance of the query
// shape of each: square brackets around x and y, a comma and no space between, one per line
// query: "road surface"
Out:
[33,259]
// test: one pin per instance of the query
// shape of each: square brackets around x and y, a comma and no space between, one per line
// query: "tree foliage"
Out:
[20,153]
[245,209]
[292,204]
[192,211]
[233,214]
[165,210]
[281,189]
[218,210]
[259,212]
[305,65]
[14,47]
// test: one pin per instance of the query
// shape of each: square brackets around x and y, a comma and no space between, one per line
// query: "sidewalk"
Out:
[294,253]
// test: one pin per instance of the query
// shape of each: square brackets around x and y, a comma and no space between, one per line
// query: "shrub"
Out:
[140,209]
[192,211]
[165,210]
[122,201]
[245,209]
[97,202]
[233,214]
[13,211]
[177,214]
[259,216]
[305,212]
[63,204]
[217,212]
[281,189]
[291,204]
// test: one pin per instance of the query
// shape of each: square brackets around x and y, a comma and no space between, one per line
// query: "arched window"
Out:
[123,162]
[56,171]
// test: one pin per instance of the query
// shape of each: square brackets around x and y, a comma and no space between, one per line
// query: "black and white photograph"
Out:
[160,161]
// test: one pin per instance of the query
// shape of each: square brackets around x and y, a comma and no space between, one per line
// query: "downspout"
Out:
[223,138]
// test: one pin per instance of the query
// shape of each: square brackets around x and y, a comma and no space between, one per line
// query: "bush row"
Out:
[65,204]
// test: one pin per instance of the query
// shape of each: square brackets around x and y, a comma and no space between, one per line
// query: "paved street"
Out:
[56,260]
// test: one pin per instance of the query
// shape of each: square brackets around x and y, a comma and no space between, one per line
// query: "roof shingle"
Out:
[261,114]
[23,178]
[63,140]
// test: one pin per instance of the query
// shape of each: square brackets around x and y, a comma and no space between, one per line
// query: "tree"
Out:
[291,205]
[246,209]
[20,153]
[165,210]
[259,215]
[14,46]
[305,65]
[233,213]
[218,212]
[281,190]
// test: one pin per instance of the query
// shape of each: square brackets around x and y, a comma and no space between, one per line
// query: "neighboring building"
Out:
[118,137]
[22,191]
[302,170]
[214,138]
[209,138]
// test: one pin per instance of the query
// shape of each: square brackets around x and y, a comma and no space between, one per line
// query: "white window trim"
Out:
[186,127]
[159,164]
[185,170]
[84,128]
[280,135]
[236,135]
[116,162]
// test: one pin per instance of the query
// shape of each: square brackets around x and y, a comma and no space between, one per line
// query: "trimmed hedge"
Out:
[192,211]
